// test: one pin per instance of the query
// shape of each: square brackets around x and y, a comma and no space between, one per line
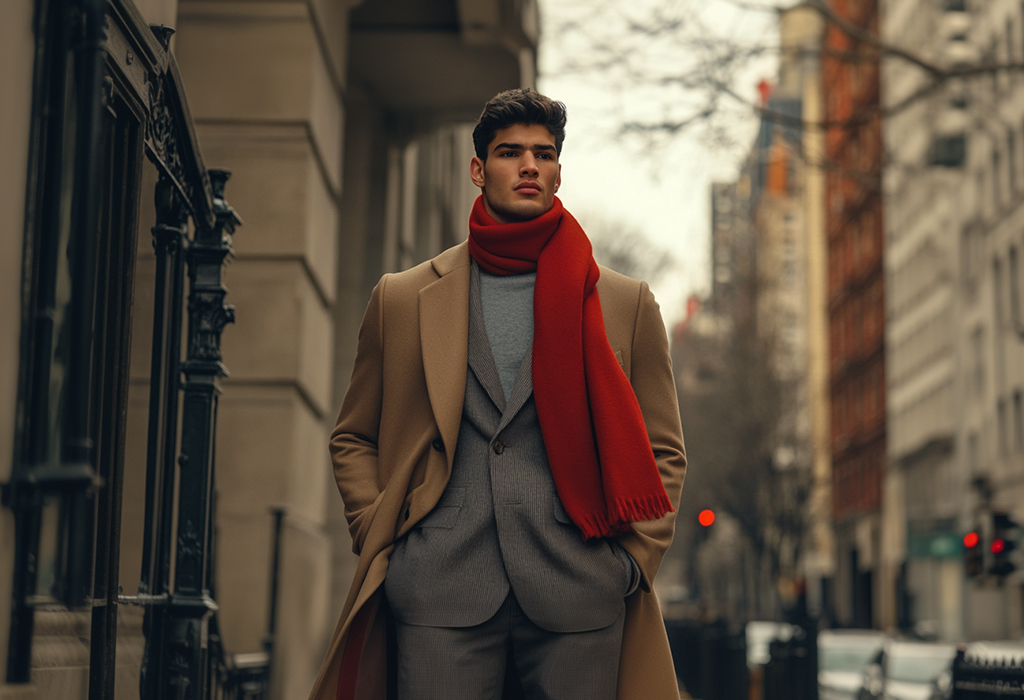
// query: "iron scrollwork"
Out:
[209,315]
[162,135]
[180,660]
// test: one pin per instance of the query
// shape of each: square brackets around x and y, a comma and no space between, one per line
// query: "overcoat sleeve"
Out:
[655,389]
[354,441]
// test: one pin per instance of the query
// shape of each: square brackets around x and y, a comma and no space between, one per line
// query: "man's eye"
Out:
[507,154]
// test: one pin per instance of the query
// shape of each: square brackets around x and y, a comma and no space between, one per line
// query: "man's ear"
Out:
[558,181]
[476,171]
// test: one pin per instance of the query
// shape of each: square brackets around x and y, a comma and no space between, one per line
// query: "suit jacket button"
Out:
[438,444]
[499,447]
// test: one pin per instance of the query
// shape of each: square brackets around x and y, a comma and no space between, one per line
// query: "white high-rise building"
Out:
[955,362]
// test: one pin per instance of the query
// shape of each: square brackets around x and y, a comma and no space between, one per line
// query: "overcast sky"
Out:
[664,190]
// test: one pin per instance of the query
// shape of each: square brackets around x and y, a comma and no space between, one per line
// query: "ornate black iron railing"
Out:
[976,678]
[107,93]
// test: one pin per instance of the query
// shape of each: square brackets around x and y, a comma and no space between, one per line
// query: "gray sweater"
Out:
[507,303]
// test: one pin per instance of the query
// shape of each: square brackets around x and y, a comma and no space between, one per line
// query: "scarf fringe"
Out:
[623,512]
[649,507]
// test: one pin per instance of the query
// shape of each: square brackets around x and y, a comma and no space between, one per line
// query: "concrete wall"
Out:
[265,82]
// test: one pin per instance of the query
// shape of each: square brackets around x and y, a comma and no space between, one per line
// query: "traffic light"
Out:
[974,556]
[1005,532]
[705,518]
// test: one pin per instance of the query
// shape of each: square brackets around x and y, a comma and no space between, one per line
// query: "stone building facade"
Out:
[953,237]
[990,341]
[346,126]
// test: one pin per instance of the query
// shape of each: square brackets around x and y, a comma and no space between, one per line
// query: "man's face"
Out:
[521,174]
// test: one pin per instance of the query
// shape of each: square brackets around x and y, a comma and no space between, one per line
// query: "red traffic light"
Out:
[998,545]
[971,540]
[706,517]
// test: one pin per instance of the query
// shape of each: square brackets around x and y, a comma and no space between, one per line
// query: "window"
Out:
[997,295]
[1022,25]
[1011,160]
[1010,49]
[1014,274]
[1002,429]
[997,181]
[978,361]
[858,324]
[78,272]
[971,258]
[1018,421]
[948,151]
[979,194]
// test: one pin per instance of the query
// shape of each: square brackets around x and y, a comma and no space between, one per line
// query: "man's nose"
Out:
[528,166]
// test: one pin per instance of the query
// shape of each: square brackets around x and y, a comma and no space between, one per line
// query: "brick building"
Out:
[853,216]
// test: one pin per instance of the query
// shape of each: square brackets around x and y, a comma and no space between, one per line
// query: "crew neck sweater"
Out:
[507,305]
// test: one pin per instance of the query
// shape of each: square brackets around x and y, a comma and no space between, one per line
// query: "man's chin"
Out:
[522,212]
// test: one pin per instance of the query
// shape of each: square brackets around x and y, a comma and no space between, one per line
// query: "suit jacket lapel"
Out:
[444,328]
[481,359]
[521,391]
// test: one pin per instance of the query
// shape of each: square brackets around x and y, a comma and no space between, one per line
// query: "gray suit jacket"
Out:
[500,523]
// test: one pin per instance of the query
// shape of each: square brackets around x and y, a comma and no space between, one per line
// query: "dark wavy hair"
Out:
[520,106]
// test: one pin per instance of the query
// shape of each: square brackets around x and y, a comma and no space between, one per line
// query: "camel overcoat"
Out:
[396,435]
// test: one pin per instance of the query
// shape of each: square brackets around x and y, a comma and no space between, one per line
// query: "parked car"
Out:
[842,657]
[907,670]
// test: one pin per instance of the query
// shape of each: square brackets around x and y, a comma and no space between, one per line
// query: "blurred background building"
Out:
[870,248]
[751,359]
[925,487]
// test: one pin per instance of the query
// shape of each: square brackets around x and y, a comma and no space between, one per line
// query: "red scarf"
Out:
[597,444]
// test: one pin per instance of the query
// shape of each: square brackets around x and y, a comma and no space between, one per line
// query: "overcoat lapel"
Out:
[444,338]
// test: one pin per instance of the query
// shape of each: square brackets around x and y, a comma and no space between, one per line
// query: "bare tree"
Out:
[625,249]
[730,401]
[668,48]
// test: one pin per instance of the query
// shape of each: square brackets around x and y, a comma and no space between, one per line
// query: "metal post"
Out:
[169,239]
[275,574]
[191,604]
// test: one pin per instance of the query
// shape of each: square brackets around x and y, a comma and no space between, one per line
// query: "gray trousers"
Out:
[469,663]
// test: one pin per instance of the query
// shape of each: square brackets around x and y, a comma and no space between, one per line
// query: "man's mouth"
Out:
[527,188]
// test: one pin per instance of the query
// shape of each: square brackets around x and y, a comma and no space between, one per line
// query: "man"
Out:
[509,454]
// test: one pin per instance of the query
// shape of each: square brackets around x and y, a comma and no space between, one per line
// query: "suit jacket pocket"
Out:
[620,553]
[560,513]
[446,513]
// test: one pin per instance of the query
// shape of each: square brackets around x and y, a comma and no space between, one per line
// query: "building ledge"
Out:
[22,691]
